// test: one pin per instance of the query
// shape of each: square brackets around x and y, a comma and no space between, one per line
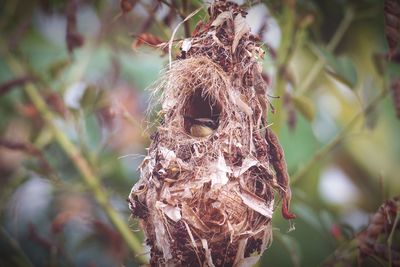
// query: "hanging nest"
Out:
[209,200]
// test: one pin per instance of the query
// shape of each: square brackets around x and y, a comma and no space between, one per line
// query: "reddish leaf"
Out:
[11,84]
[147,39]
[396,95]
[392,24]
[56,103]
[291,111]
[126,6]
[60,221]
[197,28]
[74,38]
[38,239]
[266,78]
[277,158]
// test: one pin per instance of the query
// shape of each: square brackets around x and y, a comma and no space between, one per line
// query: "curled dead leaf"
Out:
[392,24]
[147,39]
[241,28]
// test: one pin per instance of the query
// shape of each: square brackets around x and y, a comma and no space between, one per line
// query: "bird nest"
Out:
[208,200]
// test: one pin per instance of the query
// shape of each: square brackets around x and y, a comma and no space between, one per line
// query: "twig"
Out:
[174,32]
[305,84]
[23,259]
[284,55]
[73,38]
[87,173]
[336,140]
[286,50]
[185,7]
[391,235]
[31,150]
[11,84]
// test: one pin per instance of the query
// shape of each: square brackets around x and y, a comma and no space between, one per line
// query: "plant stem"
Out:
[22,258]
[390,238]
[87,173]
[283,59]
[305,84]
[337,139]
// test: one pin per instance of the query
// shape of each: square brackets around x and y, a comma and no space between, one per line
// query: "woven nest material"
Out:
[208,201]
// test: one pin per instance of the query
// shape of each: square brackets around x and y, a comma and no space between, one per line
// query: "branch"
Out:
[305,84]
[23,259]
[391,235]
[31,150]
[284,55]
[87,173]
[337,139]
[11,84]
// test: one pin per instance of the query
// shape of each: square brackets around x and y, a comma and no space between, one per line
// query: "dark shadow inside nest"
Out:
[201,107]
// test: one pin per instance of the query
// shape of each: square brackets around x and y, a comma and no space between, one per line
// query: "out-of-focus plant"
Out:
[73,126]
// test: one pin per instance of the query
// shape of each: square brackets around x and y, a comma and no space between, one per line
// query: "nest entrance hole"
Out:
[201,105]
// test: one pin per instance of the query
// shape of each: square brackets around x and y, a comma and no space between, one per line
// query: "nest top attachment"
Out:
[217,77]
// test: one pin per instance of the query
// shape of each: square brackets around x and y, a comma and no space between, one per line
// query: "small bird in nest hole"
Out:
[201,127]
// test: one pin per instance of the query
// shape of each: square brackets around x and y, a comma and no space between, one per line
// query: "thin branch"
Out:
[87,173]
[391,235]
[305,84]
[336,140]
[284,56]
[11,84]
[186,25]
[23,259]
[31,150]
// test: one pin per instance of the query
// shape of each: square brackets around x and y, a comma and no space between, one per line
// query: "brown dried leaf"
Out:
[126,6]
[147,39]
[174,213]
[73,37]
[222,18]
[242,105]
[241,28]
[207,252]
[392,24]
[193,219]
[256,203]
[11,84]
[395,86]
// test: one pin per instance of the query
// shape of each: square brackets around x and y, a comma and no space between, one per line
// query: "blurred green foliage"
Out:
[344,168]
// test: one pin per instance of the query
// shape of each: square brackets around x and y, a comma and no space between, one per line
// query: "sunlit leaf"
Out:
[89,97]
[379,63]
[56,68]
[369,91]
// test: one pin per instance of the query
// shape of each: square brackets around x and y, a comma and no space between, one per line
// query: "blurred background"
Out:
[74,123]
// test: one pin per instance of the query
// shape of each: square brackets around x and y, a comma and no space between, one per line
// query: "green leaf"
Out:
[89,98]
[292,246]
[305,106]
[369,91]
[309,216]
[341,68]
